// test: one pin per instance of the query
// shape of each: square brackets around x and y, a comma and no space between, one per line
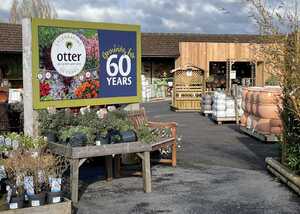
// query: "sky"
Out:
[181,16]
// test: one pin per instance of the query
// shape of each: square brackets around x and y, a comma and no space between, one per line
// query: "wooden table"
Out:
[78,155]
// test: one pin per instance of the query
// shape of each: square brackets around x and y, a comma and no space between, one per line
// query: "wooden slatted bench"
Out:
[139,118]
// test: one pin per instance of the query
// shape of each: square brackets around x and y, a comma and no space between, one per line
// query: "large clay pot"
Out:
[249,123]
[267,111]
[244,93]
[263,126]
[269,97]
[276,123]
[255,122]
[254,109]
[276,130]
[254,96]
[248,107]
[249,95]
[243,119]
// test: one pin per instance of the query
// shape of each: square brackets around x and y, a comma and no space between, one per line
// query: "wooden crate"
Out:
[64,207]
[260,136]
[220,120]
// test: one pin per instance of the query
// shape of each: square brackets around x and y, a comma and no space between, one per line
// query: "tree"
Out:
[278,22]
[30,9]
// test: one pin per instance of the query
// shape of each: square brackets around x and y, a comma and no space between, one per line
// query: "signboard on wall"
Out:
[83,63]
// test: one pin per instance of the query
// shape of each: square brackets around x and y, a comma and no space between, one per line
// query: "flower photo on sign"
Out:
[69,63]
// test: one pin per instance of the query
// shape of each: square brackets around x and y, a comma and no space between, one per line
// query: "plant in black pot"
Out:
[51,122]
[91,120]
[36,182]
[15,169]
[119,127]
[55,179]
[77,136]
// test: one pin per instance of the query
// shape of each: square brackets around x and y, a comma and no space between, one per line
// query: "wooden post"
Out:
[237,116]
[147,172]
[30,116]
[74,180]
[109,169]
[174,148]
[117,166]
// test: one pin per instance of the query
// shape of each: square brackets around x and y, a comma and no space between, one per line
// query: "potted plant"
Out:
[51,122]
[15,169]
[119,127]
[36,182]
[76,136]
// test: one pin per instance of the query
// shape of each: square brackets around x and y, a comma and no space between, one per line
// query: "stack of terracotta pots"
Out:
[261,109]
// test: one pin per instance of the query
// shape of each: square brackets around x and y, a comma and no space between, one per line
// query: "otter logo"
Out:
[68,54]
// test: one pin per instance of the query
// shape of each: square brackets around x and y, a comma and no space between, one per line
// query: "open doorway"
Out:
[217,75]
[222,76]
[244,73]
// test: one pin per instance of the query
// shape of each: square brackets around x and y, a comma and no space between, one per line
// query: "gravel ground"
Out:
[220,170]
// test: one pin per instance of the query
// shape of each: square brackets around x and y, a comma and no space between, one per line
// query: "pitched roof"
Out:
[167,44]
[153,44]
[10,38]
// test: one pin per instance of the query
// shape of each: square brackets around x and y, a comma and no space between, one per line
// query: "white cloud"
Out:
[5,5]
[199,16]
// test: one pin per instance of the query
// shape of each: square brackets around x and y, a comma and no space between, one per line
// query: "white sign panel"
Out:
[68,54]
[232,74]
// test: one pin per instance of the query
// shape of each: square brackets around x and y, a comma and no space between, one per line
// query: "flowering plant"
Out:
[44,89]
[88,89]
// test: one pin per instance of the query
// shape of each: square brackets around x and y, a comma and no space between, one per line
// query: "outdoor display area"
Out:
[83,84]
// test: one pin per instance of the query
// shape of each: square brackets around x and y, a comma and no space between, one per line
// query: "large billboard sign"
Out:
[83,63]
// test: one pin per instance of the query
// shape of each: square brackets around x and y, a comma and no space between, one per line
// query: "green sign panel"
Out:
[83,63]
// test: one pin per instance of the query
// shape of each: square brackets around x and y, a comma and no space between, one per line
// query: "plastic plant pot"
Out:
[37,199]
[16,202]
[54,197]
[51,137]
[128,136]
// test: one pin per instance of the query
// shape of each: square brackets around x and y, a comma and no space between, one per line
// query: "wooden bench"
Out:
[139,118]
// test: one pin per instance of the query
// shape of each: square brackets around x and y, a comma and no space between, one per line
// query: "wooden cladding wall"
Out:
[201,53]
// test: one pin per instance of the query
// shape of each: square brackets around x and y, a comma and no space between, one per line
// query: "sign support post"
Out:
[30,116]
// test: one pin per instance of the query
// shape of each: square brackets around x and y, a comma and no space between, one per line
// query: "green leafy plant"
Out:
[54,122]
[273,80]
[117,120]
[27,142]
[293,154]
[146,134]
[69,132]
[91,120]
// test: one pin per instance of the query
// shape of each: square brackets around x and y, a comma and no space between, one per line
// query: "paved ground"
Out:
[220,171]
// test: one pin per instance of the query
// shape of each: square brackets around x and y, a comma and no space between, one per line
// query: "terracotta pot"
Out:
[267,111]
[254,109]
[244,94]
[255,121]
[268,97]
[244,106]
[248,107]
[276,130]
[263,126]
[276,123]
[254,96]
[248,96]
[243,119]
